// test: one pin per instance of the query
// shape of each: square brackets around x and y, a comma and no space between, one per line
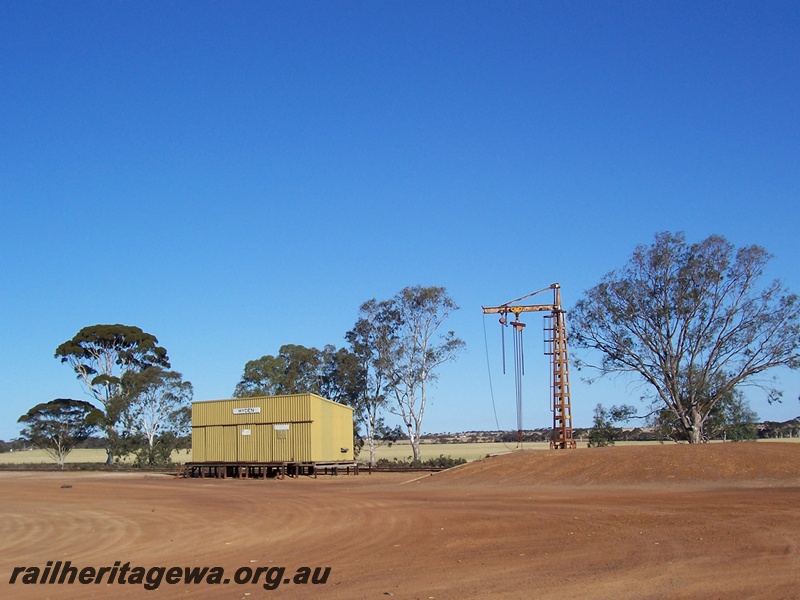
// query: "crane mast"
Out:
[560,404]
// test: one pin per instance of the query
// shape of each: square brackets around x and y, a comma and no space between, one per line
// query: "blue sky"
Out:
[232,177]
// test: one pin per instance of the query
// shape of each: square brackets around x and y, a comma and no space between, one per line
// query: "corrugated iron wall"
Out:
[336,433]
[289,409]
[295,428]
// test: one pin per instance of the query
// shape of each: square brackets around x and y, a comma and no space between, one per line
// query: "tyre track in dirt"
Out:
[23,535]
[504,531]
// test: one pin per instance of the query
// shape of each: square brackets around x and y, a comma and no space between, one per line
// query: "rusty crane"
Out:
[556,340]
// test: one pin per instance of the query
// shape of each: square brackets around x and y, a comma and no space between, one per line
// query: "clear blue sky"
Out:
[234,176]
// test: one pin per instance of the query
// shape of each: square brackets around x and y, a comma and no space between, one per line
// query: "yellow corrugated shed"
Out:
[293,428]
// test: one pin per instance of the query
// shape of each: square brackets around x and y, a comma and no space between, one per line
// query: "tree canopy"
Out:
[157,413]
[371,344]
[59,425]
[604,427]
[414,346]
[295,370]
[691,320]
[101,355]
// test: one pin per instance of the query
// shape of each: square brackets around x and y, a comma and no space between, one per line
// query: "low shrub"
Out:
[440,462]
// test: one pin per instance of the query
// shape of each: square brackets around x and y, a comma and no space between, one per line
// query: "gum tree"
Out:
[158,412]
[101,355]
[59,425]
[693,321]
[371,342]
[416,348]
[295,370]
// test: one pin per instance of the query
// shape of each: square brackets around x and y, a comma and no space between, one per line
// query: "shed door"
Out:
[250,441]
[229,450]
[282,442]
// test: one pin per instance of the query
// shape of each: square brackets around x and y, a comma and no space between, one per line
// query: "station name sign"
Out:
[247,411]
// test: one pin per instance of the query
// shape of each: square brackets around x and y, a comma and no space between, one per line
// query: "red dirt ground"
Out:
[672,522]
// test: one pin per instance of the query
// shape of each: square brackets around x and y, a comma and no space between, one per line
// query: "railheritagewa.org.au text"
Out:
[58,572]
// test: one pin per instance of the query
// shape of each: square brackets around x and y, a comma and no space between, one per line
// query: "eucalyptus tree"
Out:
[296,369]
[158,412]
[101,355]
[262,377]
[693,321]
[341,378]
[371,342]
[59,425]
[416,346]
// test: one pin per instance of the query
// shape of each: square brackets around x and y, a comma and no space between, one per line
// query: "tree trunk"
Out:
[415,448]
[371,442]
[370,425]
[695,429]
[414,435]
[418,418]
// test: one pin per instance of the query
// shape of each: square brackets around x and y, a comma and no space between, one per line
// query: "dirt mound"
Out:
[636,464]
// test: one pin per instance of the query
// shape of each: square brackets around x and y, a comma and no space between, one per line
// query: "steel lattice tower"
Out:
[560,401]
[562,410]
